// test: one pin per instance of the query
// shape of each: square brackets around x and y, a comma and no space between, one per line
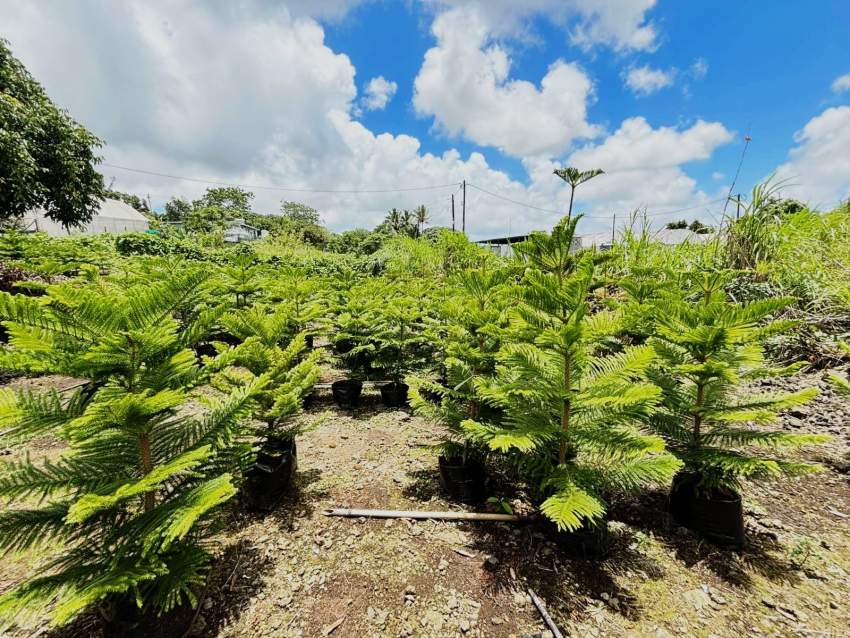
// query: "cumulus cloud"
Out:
[619,24]
[644,165]
[818,167]
[271,105]
[464,83]
[841,83]
[644,80]
[379,91]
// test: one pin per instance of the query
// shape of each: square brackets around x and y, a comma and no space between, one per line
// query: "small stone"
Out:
[768,602]
[491,562]
[452,603]
[443,564]
[464,625]
[496,620]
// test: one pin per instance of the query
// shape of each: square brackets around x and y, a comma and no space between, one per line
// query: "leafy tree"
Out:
[575,178]
[574,412]
[138,203]
[132,502]
[47,159]
[707,348]
[699,228]
[176,210]
[231,199]
[398,222]
[678,225]
[299,215]
[358,241]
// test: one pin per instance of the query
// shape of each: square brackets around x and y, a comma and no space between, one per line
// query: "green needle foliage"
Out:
[573,413]
[133,499]
[707,347]
[260,355]
[475,318]
[399,317]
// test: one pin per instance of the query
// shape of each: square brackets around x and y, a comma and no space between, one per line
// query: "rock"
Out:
[491,562]
[452,603]
[432,618]
[443,564]
[464,625]
[496,620]
[697,597]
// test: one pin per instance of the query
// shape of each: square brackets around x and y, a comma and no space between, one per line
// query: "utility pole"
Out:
[463,209]
[453,212]
[738,211]
[613,227]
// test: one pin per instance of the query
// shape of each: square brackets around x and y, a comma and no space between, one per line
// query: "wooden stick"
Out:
[448,516]
[545,614]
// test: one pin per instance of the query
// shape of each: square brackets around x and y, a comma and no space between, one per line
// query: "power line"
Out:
[281,188]
[558,212]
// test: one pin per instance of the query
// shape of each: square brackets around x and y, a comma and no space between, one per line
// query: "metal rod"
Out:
[449,516]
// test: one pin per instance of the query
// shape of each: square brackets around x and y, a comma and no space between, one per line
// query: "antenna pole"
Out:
[453,212]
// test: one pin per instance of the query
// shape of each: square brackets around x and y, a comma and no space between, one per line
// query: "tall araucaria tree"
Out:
[125,513]
[575,412]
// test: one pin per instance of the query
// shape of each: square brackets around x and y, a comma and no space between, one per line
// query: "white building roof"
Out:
[113,216]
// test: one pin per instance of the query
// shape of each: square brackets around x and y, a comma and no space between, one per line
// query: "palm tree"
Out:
[574,177]
[421,214]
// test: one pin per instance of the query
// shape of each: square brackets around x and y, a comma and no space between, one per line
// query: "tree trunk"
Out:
[565,411]
[147,466]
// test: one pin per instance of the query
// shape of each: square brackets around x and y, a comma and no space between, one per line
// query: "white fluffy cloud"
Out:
[644,80]
[643,166]
[619,24]
[379,91]
[841,83]
[818,168]
[255,96]
[464,83]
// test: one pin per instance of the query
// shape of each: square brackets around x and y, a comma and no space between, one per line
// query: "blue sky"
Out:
[770,67]
[371,95]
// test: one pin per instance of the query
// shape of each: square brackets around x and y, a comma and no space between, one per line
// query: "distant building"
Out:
[113,216]
[502,246]
[238,231]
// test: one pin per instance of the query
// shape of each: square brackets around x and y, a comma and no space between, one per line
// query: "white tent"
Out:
[114,216]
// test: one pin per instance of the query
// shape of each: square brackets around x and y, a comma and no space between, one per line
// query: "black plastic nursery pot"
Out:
[346,393]
[308,342]
[394,394]
[125,618]
[463,480]
[270,477]
[591,540]
[716,515]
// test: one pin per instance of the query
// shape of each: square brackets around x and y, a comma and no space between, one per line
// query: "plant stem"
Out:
[566,409]
[147,466]
[698,415]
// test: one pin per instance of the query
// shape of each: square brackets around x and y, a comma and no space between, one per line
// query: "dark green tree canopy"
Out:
[47,159]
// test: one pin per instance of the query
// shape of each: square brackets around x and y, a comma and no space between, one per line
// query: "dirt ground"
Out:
[298,573]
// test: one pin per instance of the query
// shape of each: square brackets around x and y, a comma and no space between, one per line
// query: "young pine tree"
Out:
[262,355]
[476,317]
[707,347]
[134,497]
[573,413]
